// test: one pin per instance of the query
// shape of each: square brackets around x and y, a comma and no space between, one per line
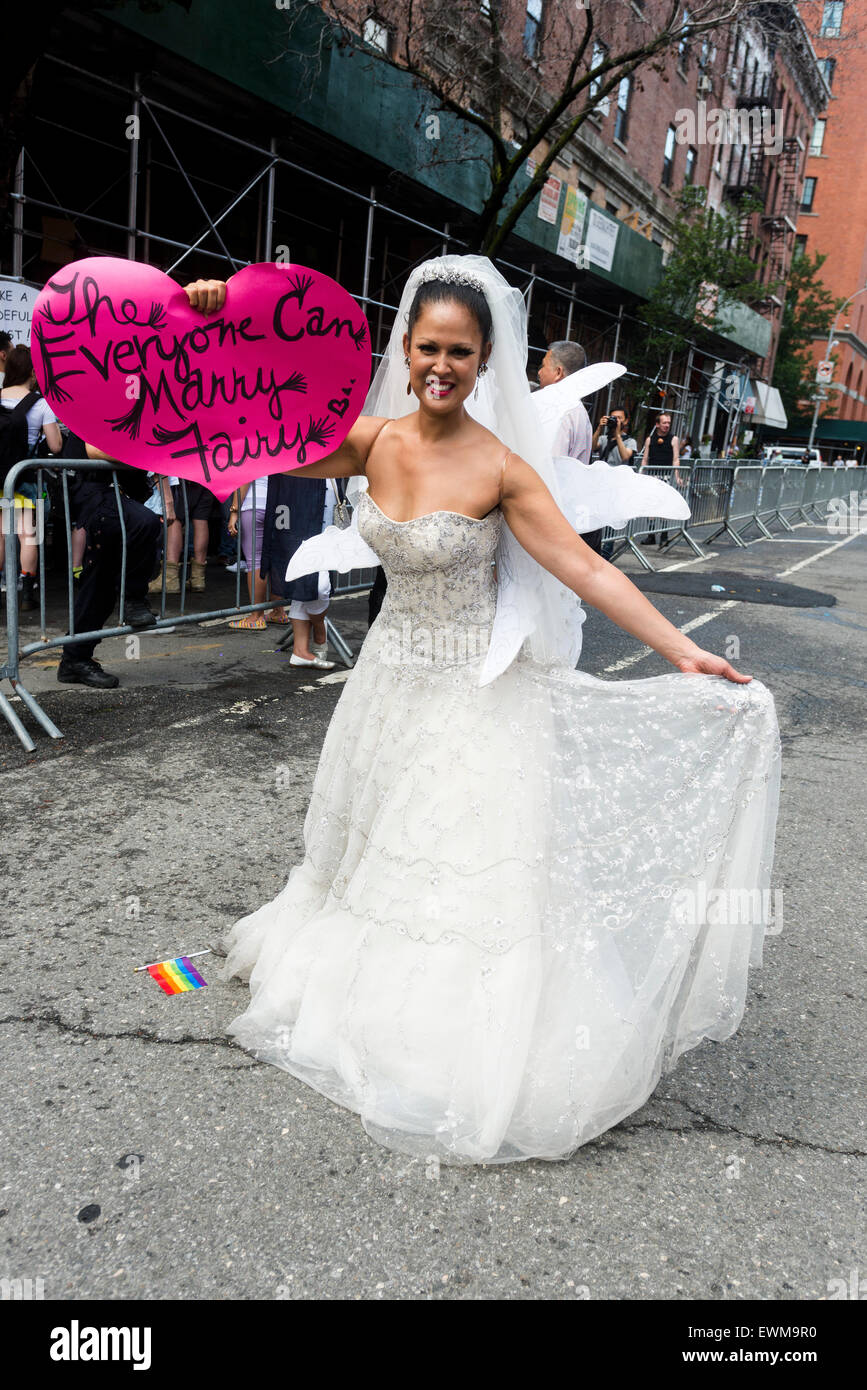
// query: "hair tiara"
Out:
[451,276]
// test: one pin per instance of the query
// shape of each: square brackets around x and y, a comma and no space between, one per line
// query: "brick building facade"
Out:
[833,212]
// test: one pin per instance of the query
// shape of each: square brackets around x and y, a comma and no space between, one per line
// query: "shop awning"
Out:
[769,407]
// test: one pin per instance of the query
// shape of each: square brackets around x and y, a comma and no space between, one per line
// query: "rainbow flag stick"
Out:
[175,976]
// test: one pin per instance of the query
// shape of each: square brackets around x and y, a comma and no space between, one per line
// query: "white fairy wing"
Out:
[600,494]
[332,549]
[552,402]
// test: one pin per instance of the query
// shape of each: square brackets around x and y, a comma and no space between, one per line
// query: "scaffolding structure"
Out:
[159,160]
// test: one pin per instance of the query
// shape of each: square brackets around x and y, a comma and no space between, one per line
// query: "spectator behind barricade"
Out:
[612,441]
[296,509]
[839,461]
[93,507]
[26,418]
[574,437]
[201,504]
[5,349]
[661,450]
[252,524]
[686,449]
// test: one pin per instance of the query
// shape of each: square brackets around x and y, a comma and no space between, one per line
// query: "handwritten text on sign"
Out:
[272,381]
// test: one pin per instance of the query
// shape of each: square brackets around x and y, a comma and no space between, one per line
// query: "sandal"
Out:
[251,622]
[282,621]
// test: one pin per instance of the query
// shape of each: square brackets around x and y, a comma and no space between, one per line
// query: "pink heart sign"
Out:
[272,381]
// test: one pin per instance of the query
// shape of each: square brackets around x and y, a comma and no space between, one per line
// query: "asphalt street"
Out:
[145,1155]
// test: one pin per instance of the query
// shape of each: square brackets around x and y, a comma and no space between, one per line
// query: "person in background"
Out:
[251,519]
[661,450]
[200,504]
[612,441]
[93,508]
[686,449]
[5,349]
[839,461]
[33,418]
[574,437]
[296,509]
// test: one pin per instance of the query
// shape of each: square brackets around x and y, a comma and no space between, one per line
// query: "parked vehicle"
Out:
[789,454]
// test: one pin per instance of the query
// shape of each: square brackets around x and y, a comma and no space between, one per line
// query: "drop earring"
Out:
[409,383]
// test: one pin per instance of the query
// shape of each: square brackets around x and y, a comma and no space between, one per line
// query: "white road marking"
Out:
[720,608]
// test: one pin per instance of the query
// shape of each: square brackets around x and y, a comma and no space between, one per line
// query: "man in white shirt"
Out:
[574,437]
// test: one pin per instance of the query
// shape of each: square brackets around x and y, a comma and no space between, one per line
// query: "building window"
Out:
[689,172]
[621,115]
[668,159]
[827,66]
[818,139]
[683,46]
[600,53]
[377,34]
[808,195]
[800,246]
[532,28]
[832,20]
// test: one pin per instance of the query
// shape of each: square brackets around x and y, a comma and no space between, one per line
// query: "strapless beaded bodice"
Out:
[441,581]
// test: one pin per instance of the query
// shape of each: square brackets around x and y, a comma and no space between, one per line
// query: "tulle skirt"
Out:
[519,903]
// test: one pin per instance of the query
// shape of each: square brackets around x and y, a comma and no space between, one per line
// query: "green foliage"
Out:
[807,315]
[710,268]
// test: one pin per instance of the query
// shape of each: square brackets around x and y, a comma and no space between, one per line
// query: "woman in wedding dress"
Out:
[518,902]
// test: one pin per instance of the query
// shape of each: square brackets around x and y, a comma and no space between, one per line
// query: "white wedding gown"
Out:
[495,942]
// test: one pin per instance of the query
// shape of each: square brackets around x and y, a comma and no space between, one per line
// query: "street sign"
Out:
[824,373]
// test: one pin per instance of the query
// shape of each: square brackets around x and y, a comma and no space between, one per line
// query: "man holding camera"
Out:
[615,445]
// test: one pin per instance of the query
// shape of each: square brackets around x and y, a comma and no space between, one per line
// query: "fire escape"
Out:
[770,178]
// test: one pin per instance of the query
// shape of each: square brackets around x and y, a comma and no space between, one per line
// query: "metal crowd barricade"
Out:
[731,496]
[741,503]
[16,653]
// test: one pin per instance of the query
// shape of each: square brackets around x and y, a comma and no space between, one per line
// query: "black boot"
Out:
[85,671]
[27,602]
[138,613]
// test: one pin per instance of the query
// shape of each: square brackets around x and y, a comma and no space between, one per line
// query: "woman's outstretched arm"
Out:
[544,532]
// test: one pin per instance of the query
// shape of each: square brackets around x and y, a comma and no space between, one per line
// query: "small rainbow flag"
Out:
[175,976]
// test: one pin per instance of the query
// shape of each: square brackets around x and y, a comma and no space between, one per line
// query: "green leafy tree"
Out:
[710,268]
[807,315]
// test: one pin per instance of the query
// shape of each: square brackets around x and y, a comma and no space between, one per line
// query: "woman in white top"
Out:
[251,500]
[18,382]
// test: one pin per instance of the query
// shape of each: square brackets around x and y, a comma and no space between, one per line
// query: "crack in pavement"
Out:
[140,1035]
[714,1126]
[707,1124]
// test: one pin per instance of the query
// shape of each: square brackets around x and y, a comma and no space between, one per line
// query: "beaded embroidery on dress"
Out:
[488,951]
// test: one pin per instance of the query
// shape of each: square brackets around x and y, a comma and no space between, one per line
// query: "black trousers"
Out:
[100,580]
[377,594]
[593,539]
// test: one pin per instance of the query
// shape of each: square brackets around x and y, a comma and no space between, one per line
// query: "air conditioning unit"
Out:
[705,85]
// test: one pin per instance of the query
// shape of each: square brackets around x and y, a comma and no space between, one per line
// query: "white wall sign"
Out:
[601,239]
[16,309]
